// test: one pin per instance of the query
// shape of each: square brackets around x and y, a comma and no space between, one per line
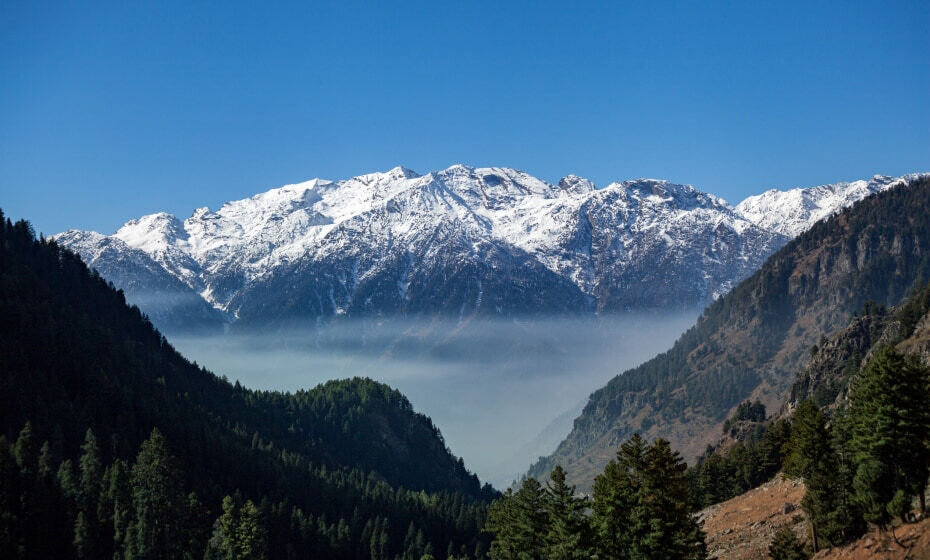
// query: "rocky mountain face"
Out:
[462,241]
[751,342]
[834,360]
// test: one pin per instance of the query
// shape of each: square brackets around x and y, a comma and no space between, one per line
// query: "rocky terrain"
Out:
[834,359]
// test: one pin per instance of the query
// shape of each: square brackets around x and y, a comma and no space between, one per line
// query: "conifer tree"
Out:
[672,531]
[250,533]
[157,503]
[616,518]
[642,505]
[811,458]
[519,521]
[890,426]
[26,452]
[567,537]
[115,508]
[786,546]
[87,530]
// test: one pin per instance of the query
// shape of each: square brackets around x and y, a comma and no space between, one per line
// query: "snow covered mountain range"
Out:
[460,241]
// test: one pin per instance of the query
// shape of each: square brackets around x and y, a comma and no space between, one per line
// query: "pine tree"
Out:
[616,518]
[157,503]
[890,426]
[250,533]
[811,458]
[672,531]
[116,505]
[642,505]
[846,517]
[568,536]
[26,452]
[519,522]
[222,545]
[786,546]
[87,530]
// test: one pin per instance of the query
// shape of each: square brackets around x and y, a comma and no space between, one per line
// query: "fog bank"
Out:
[502,391]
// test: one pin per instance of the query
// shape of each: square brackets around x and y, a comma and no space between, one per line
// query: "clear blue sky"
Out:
[110,111]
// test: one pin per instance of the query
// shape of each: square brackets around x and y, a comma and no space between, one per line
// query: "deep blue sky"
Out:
[111,111]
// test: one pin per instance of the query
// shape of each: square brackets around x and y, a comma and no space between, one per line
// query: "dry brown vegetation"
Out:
[743,528]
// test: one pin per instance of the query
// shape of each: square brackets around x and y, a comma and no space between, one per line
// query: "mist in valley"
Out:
[502,391]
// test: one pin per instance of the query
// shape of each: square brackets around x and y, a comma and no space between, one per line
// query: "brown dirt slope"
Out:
[913,543]
[742,528]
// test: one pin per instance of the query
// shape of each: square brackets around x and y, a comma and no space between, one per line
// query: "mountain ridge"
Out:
[460,241]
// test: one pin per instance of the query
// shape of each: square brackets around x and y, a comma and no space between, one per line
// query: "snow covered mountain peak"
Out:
[792,211]
[575,185]
[458,240]
[153,232]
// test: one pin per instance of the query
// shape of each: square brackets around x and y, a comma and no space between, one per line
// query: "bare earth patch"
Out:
[742,528]
[913,544]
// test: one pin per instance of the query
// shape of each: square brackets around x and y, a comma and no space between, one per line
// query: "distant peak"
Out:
[156,218]
[159,221]
[657,187]
[576,185]
[460,167]
[402,172]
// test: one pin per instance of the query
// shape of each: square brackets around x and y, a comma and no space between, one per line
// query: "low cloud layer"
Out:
[495,388]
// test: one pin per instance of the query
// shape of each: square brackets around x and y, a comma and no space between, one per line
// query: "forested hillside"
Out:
[855,461]
[110,441]
[751,342]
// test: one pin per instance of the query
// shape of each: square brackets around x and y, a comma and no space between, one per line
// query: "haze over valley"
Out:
[491,385]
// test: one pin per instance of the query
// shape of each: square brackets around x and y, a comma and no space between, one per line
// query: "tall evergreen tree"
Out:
[116,506]
[617,521]
[642,505]
[87,529]
[672,531]
[811,458]
[155,532]
[250,533]
[890,426]
[519,521]
[567,537]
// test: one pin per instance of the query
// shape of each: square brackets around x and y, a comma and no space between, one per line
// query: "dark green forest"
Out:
[95,398]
